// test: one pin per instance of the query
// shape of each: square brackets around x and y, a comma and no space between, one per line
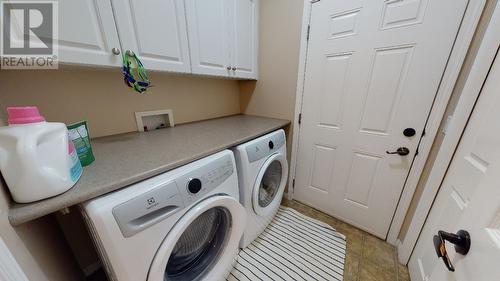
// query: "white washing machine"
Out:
[262,173]
[185,224]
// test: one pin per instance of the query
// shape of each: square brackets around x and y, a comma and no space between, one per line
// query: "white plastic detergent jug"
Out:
[37,159]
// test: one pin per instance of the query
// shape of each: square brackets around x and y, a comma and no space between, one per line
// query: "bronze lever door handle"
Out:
[461,240]
[403,151]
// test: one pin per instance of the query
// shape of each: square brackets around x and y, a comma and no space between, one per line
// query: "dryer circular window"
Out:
[270,184]
[202,244]
[199,246]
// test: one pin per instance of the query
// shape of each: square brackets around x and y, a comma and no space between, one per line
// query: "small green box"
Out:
[79,134]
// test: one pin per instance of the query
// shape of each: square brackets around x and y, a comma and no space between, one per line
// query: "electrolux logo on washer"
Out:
[28,33]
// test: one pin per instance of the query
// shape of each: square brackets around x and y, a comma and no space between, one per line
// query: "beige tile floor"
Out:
[368,258]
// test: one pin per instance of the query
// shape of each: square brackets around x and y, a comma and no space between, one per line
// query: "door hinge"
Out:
[423,132]
[314,1]
[300,118]
[293,183]
[416,151]
[308,31]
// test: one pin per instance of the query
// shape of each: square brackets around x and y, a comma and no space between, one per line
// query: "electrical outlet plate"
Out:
[152,120]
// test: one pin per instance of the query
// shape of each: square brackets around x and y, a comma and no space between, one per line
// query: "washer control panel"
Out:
[148,208]
[204,179]
[264,146]
[170,196]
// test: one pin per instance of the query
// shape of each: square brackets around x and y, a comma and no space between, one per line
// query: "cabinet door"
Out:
[208,31]
[87,33]
[245,38]
[156,31]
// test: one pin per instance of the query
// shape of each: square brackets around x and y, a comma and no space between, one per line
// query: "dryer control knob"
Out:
[271,144]
[194,186]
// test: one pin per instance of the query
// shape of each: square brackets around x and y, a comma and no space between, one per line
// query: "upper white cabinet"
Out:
[223,37]
[156,31]
[208,37]
[87,33]
[209,40]
[245,38]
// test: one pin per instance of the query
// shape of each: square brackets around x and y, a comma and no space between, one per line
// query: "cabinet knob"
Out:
[115,51]
[228,68]
[234,68]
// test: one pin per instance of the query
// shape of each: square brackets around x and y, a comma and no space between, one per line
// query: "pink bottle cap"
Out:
[24,115]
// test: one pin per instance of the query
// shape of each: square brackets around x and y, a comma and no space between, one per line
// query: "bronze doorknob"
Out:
[403,151]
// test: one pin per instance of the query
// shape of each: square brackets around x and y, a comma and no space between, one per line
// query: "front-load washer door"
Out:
[270,184]
[203,244]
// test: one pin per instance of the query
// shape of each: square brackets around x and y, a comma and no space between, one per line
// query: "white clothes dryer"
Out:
[262,175]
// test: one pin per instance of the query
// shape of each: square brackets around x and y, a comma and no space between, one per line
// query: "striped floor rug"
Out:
[293,247]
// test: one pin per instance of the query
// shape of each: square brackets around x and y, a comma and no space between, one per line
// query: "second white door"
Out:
[373,69]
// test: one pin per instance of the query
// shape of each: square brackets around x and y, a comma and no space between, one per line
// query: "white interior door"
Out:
[245,39]
[373,69]
[87,33]
[209,36]
[156,31]
[469,198]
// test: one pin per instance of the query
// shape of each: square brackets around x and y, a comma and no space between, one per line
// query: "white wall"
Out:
[273,95]
[100,96]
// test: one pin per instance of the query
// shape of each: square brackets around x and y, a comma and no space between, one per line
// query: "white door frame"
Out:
[472,88]
[456,59]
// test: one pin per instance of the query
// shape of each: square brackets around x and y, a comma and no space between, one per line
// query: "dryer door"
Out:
[270,184]
[203,244]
